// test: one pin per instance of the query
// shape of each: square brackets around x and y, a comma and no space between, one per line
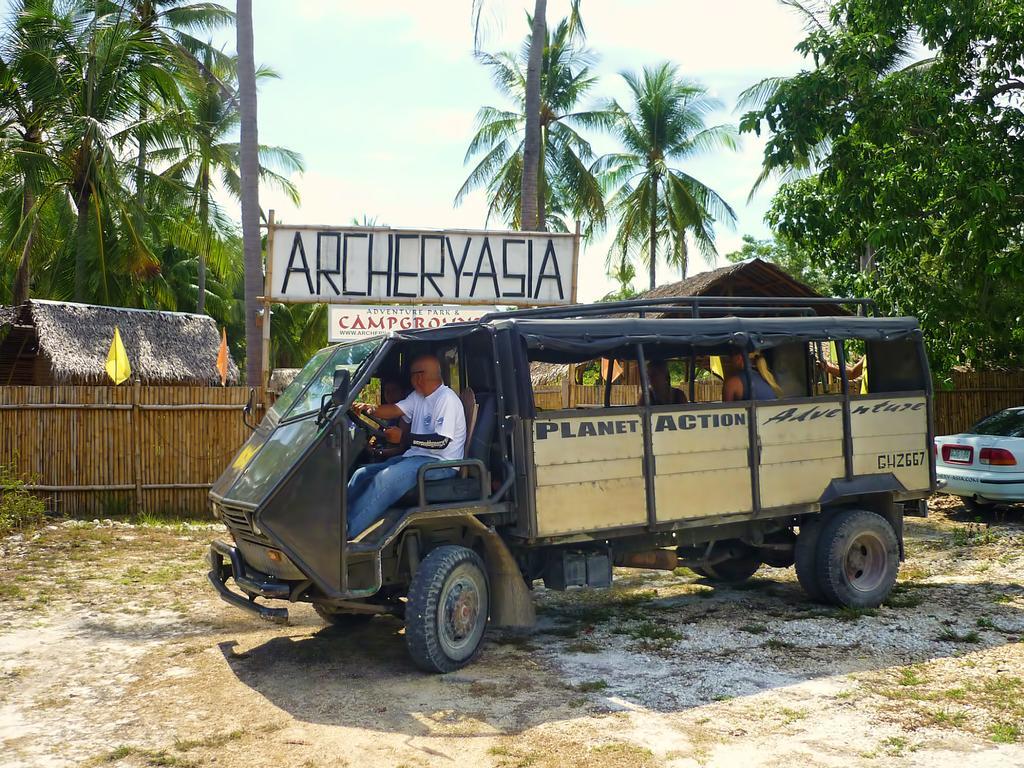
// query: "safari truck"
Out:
[819,477]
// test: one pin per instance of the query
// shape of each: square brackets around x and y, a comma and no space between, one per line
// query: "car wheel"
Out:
[341,619]
[804,558]
[858,559]
[447,609]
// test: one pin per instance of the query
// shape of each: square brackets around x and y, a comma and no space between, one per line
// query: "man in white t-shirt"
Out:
[437,433]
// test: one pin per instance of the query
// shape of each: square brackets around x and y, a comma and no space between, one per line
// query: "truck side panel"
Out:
[890,434]
[801,449]
[701,462]
[589,472]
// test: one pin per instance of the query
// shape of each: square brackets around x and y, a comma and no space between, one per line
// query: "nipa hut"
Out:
[754,277]
[52,342]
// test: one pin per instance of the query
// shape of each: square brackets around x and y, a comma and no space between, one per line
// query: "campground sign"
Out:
[365,265]
[347,322]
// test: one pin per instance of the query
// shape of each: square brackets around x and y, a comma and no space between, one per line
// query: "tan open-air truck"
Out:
[813,479]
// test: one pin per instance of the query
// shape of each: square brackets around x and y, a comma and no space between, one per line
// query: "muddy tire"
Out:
[342,620]
[858,559]
[734,571]
[805,559]
[447,609]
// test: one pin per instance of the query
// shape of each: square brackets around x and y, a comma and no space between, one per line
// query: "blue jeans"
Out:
[375,487]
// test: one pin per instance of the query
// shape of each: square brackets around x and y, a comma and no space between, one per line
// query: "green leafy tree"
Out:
[914,200]
[623,274]
[658,204]
[567,189]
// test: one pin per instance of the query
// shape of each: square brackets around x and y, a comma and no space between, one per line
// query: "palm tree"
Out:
[656,202]
[30,107]
[170,24]
[566,187]
[529,196]
[249,165]
[204,153]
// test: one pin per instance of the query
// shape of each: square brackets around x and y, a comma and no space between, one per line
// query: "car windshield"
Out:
[1008,423]
[315,380]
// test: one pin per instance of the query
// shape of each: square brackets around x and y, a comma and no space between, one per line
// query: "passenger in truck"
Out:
[661,390]
[762,381]
[437,432]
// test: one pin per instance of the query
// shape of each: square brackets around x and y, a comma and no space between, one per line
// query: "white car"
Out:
[985,464]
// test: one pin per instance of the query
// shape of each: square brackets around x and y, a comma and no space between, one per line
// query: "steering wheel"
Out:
[366,422]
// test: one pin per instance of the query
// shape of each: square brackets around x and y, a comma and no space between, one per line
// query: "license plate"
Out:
[960,454]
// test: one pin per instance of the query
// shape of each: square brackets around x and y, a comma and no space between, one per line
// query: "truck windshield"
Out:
[315,380]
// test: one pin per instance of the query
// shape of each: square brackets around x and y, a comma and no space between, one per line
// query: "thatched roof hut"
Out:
[754,277]
[52,342]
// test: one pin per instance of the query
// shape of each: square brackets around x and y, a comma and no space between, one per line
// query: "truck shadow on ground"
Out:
[654,644]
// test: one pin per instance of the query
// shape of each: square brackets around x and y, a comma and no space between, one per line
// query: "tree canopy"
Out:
[908,135]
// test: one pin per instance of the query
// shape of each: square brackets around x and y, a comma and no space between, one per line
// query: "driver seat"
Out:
[481,415]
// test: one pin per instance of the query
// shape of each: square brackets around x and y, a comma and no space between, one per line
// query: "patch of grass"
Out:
[156,759]
[950,635]
[653,634]
[217,740]
[894,746]
[754,629]
[591,686]
[684,572]
[905,596]
[1003,597]
[584,646]
[911,572]
[985,623]
[11,591]
[910,676]
[1004,733]
[974,534]
[622,755]
[790,715]
[776,644]
[19,509]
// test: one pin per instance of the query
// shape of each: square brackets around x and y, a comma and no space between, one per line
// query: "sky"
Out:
[380,98]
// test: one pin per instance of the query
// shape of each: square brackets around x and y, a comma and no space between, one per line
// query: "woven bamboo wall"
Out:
[110,450]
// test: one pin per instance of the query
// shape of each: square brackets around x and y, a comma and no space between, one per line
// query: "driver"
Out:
[437,433]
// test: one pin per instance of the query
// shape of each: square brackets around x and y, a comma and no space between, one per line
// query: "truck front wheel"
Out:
[447,609]
[858,559]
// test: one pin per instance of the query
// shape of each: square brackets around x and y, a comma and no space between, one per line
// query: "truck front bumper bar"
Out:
[235,569]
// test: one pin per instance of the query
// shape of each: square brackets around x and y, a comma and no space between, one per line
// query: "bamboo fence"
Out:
[110,450]
[114,450]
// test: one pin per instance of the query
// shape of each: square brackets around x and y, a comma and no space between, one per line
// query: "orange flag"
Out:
[222,357]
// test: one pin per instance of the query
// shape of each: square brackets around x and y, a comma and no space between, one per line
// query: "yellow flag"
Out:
[716,367]
[118,368]
[864,375]
[222,357]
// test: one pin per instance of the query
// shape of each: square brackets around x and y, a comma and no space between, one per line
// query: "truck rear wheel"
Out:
[805,559]
[447,609]
[858,559]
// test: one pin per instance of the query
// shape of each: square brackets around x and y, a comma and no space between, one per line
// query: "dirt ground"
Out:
[114,652]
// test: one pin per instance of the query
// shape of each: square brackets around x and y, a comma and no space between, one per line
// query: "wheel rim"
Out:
[865,562]
[462,612]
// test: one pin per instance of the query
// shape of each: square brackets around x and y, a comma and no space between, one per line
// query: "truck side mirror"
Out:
[339,391]
[247,410]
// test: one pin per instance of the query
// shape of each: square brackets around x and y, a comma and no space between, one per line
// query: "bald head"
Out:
[425,374]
